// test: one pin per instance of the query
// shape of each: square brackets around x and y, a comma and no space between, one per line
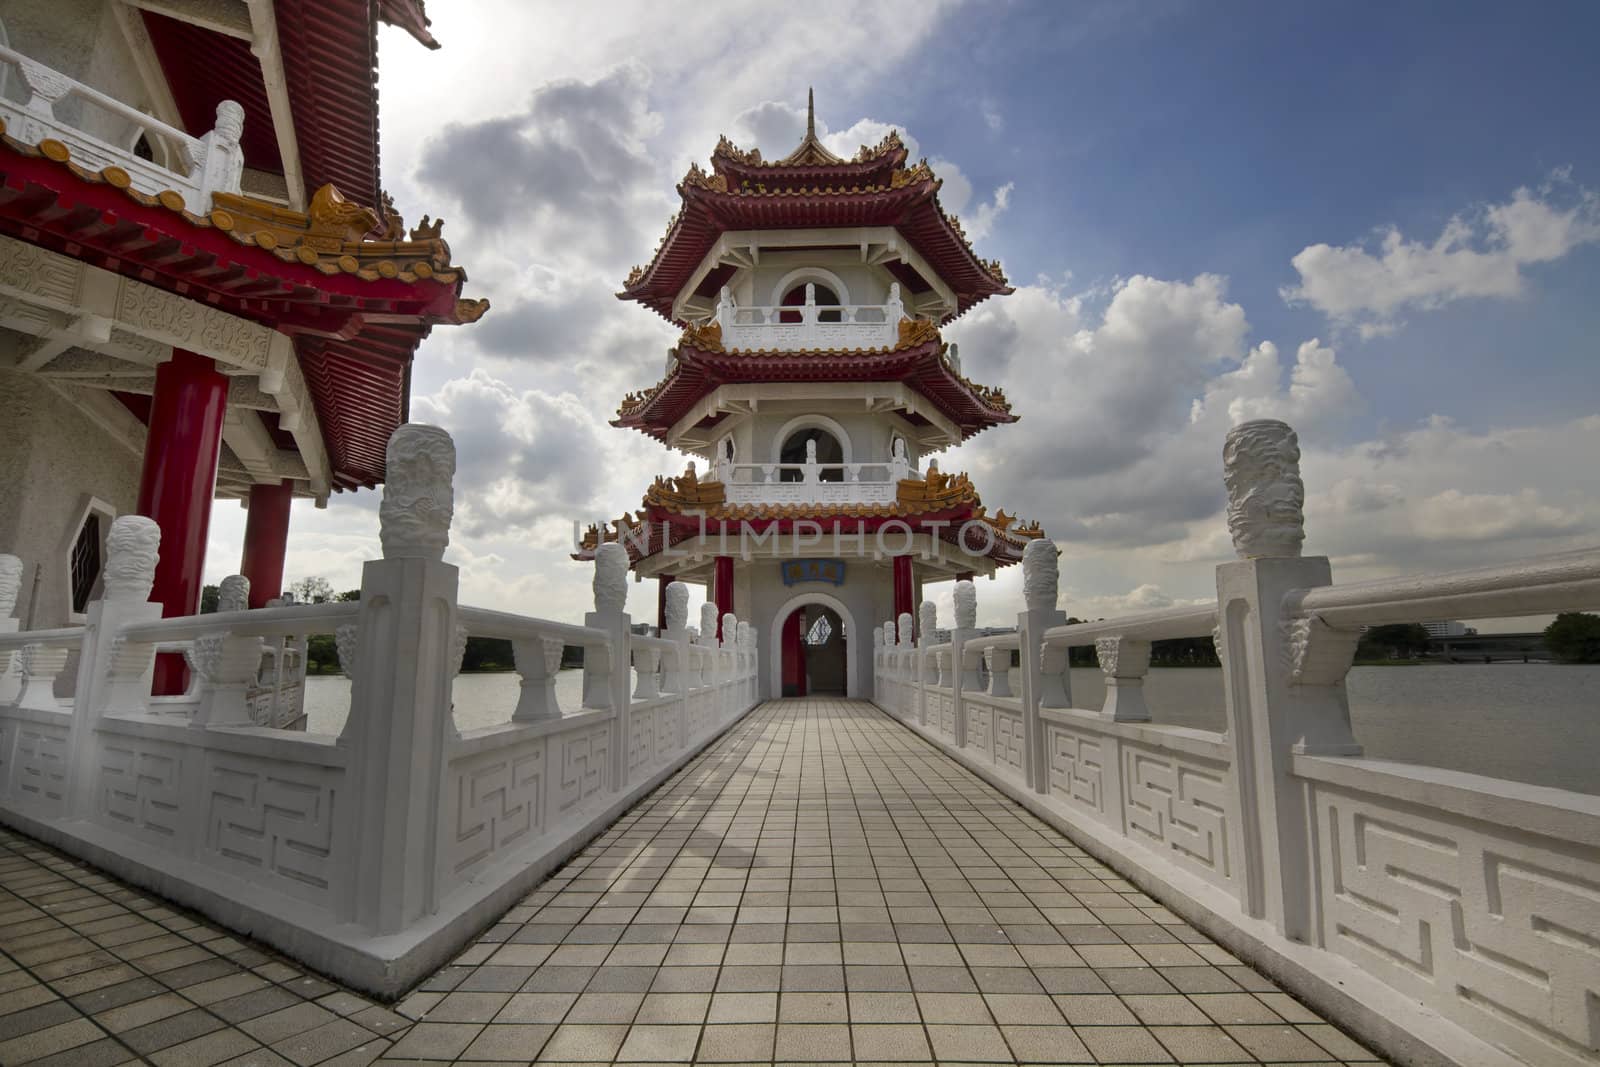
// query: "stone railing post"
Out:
[10,588]
[226,666]
[114,674]
[708,644]
[402,656]
[1124,661]
[608,682]
[676,679]
[998,663]
[927,669]
[221,162]
[647,665]
[1042,682]
[1284,678]
[965,663]
[538,661]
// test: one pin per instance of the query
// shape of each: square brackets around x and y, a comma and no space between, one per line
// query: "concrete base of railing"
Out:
[384,967]
[1405,1031]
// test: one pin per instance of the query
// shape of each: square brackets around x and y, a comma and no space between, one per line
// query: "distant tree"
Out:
[348,595]
[1574,637]
[322,654]
[487,654]
[210,597]
[1402,640]
[313,590]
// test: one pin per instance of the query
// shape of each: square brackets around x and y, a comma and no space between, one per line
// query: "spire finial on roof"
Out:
[811,152]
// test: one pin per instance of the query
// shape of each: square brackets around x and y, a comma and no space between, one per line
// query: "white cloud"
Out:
[1478,254]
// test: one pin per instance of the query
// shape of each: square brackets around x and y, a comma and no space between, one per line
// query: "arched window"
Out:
[828,451]
[825,297]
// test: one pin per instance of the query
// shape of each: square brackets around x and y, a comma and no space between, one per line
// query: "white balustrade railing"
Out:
[813,483]
[372,855]
[1445,917]
[55,107]
[810,326]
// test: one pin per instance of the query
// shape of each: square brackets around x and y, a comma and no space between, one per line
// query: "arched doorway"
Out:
[825,297]
[799,668]
[829,451]
[814,652]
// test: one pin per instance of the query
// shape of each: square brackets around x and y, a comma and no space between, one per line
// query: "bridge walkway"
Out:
[820,885]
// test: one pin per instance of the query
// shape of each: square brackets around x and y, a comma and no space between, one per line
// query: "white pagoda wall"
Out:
[864,284]
[53,459]
[867,595]
[756,440]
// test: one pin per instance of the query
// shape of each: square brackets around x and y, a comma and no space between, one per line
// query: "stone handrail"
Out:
[1444,917]
[206,165]
[1566,581]
[373,855]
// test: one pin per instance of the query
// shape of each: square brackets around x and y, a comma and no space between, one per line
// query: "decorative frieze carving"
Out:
[418,500]
[966,601]
[1266,499]
[132,548]
[1040,574]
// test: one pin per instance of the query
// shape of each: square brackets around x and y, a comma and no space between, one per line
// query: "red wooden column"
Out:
[722,589]
[794,655]
[177,484]
[661,602]
[266,540]
[904,593]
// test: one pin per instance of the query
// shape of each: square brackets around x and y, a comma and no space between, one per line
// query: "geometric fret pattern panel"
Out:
[1177,806]
[138,787]
[39,773]
[273,818]
[1077,767]
[498,798]
[1502,934]
[978,726]
[585,765]
[1008,739]
[641,737]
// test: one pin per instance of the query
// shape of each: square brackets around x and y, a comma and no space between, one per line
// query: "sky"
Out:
[1378,222]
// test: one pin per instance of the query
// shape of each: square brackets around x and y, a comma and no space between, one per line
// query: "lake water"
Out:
[1536,723]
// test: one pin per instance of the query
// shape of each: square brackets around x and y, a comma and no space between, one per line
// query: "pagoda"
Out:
[204,290]
[812,378]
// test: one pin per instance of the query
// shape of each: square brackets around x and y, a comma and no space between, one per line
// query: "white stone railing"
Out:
[195,168]
[810,326]
[1444,917]
[813,483]
[373,855]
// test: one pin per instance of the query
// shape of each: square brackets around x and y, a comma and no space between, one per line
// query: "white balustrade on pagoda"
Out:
[809,326]
[54,107]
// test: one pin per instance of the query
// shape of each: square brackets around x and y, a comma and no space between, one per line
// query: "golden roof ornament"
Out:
[428,230]
[811,152]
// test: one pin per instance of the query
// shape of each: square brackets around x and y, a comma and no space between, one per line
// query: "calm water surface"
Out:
[1535,723]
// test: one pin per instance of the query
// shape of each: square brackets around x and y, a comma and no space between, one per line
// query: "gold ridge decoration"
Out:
[914,332]
[728,150]
[937,491]
[890,143]
[700,179]
[707,337]
[912,176]
[635,276]
[996,271]
[683,493]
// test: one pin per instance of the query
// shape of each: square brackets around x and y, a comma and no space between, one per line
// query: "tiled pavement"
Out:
[820,885]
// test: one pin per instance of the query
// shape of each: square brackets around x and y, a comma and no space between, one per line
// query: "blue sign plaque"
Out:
[813,570]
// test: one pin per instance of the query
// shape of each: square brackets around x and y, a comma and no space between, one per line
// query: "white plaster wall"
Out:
[866,284]
[52,459]
[80,38]
[870,434]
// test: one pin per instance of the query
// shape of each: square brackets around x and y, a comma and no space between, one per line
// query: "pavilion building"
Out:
[204,290]
[812,378]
